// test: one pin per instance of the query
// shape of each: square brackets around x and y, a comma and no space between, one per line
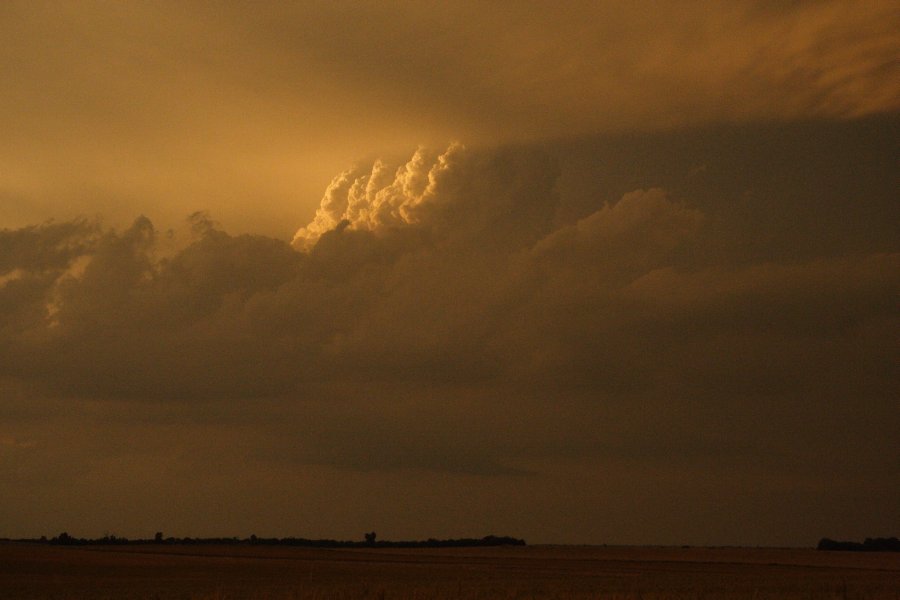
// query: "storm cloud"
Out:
[648,296]
[436,316]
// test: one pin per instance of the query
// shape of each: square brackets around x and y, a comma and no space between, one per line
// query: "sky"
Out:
[598,272]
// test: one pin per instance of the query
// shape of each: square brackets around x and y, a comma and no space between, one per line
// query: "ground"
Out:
[31,571]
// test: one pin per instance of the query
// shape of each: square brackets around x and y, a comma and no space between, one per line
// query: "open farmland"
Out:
[563,572]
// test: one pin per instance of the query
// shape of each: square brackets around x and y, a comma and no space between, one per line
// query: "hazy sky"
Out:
[600,272]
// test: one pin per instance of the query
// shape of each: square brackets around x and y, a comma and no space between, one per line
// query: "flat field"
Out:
[561,572]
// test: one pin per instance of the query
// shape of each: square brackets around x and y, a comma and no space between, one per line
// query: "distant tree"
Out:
[63,538]
[370,538]
[158,538]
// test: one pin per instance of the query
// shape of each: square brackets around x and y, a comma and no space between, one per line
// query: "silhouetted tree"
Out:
[63,538]
[370,538]
[158,538]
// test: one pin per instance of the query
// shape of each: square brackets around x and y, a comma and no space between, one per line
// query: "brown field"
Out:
[563,572]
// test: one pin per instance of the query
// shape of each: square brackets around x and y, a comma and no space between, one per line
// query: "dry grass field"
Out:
[558,572]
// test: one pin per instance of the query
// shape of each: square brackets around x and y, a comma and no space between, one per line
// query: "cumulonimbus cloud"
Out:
[449,276]
[456,194]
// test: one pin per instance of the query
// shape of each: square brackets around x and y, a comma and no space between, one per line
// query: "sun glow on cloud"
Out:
[380,198]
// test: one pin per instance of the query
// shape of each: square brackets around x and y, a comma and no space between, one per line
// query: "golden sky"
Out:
[163,108]
[603,272]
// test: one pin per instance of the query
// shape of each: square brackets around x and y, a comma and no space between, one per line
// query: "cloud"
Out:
[52,246]
[634,234]
[449,315]
[446,269]
[526,71]
[143,109]
[454,196]
[577,310]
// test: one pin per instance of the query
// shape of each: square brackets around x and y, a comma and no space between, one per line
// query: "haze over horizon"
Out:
[615,272]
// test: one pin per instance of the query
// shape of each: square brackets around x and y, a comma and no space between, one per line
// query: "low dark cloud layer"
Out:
[459,342]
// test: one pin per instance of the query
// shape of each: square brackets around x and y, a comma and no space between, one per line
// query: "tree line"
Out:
[369,541]
[890,544]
